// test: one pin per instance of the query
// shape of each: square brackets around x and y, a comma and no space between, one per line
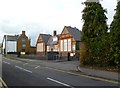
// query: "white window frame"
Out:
[65,44]
[69,44]
[61,45]
[55,47]
[48,48]
[73,47]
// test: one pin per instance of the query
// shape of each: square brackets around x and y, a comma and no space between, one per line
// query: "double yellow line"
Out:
[87,76]
[2,84]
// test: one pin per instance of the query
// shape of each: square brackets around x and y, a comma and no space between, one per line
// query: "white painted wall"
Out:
[11,46]
[3,46]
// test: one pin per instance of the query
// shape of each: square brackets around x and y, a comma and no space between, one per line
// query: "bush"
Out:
[84,58]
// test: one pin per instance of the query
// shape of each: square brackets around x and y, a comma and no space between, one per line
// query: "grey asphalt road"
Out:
[18,74]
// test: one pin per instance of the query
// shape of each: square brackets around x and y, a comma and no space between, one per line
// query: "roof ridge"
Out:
[75,32]
[72,27]
[44,34]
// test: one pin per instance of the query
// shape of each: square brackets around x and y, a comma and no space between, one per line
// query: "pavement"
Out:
[73,66]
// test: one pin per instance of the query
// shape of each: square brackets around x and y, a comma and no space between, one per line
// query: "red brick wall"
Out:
[66,36]
[32,50]
[19,44]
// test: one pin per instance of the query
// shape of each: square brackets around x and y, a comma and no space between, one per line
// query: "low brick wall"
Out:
[39,57]
[33,57]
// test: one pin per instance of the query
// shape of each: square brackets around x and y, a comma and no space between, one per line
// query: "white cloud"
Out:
[110,6]
[43,16]
[92,0]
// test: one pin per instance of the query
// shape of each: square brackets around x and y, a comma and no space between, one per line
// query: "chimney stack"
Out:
[23,32]
[54,33]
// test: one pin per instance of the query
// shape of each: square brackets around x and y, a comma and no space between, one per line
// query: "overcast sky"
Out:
[44,16]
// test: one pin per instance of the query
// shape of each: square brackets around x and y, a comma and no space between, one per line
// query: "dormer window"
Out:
[23,40]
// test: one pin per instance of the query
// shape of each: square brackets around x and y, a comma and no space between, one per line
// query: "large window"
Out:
[69,44]
[61,45]
[65,45]
[73,48]
[48,48]
[40,47]
[23,45]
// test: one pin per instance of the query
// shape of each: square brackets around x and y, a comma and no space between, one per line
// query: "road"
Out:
[17,73]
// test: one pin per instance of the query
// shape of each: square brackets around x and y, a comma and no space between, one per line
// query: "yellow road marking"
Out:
[3,83]
[91,77]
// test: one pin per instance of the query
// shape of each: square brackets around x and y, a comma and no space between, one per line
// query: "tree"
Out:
[94,31]
[115,36]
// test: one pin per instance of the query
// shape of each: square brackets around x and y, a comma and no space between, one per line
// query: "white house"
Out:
[9,44]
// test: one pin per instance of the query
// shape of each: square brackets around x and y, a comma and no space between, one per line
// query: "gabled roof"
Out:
[50,40]
[76,33]
[22,36]
[11,37]
[45,37]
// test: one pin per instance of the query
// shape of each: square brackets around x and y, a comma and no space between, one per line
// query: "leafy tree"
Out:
[115,36]
[94,32]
